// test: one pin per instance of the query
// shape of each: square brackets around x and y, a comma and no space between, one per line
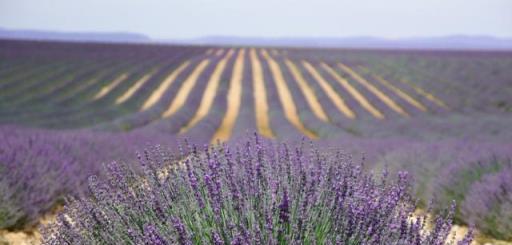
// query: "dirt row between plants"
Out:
[34,237]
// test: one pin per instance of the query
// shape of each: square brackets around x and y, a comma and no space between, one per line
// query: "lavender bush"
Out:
[34,171]
[484,190]
[457,179]
[39,167]
[251,193]
[489,204]
[471,173]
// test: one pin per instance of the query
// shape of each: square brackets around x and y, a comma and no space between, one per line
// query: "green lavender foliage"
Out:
[250,193]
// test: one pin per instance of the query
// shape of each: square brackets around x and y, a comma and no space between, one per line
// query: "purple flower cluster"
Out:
[253,192]
[38,168]
[35,172]
[474,174]
[489,204]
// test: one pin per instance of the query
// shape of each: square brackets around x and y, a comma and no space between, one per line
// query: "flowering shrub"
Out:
[39,167]
[474,175]
[251,193]
[484,193]
[35,171]
[457,179]
[489,204]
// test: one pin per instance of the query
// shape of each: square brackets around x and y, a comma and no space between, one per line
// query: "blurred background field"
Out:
[438,106]
[421,111]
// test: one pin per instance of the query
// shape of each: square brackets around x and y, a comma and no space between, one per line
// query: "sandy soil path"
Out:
[285,97]
[260,97]
[106,89]
[329,91]
[234,98]
[185,89]
[219,52]
[425,94]
[400,93]
[131,91]
[209,93]
[307,91]
[164,86]
[382,96]
[353,91]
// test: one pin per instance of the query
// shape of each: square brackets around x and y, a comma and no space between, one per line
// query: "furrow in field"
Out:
[209,93]
[260,97]
[219,52]
[48,104]
[13,67]
[205,129]
[307,91]
[285,97]
[397,91]
[246,121]
[129,93]
[353,91]
[209,51]
[279,124]
[425,94]
[308,118]
[165,69]
[109,87]
[42,93]
[438,81]
[329,91]
[141,69]
[101,109]
[128,116]
[174,123]
[74,94]
[383,97]
[27,74]
[20,67]
[234,97]
[185,89]
[164,86]
[18,88]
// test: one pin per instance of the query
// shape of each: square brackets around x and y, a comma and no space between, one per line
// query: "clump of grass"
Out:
[251,193]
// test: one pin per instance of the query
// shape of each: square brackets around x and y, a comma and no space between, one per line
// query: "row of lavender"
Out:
[38,168]
[66,154]
[467,80]
[476,174]
[64,86]
[252,193]
[55,81]
[338,123]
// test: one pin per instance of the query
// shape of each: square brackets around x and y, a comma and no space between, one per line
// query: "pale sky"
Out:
[171,19]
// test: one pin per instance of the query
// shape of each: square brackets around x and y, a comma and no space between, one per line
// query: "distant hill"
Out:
[74,36]
[447,42]
[458,42]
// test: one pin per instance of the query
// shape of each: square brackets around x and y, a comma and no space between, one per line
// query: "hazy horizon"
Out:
[159,19]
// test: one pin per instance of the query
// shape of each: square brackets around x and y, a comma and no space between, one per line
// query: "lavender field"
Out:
[169,144]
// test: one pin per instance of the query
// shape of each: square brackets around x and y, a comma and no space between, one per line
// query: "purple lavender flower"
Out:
[152,237]
[181,231]
[216,239]
[284,209]
[229,202]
